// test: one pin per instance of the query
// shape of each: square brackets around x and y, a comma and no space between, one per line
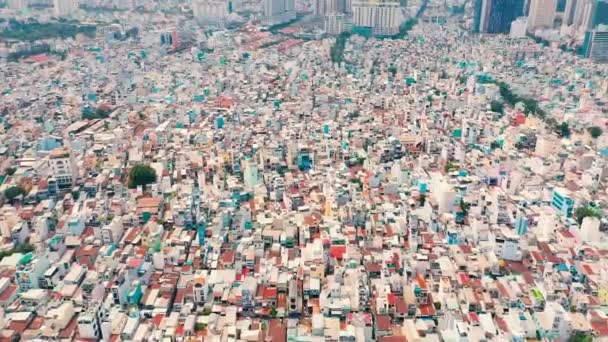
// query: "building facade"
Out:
[542,13]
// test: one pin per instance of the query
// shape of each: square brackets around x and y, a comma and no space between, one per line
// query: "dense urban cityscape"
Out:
[303,170]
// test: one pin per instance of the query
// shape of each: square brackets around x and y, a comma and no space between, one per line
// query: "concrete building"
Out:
[62,168]
[334,23]
[89,322]
[542,13]
[382,17]
[17,4]
[279,11]
[211,11]
[595,45]
[65,7]
[518,28]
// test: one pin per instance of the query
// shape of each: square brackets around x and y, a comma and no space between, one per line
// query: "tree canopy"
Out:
[581,212]
[13,192]
[595,131]
[141,175]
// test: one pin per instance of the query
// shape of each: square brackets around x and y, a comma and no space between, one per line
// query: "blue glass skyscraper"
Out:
[495,16]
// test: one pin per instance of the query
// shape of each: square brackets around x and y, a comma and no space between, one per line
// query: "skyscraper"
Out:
[65,7]
[495,16]
[599,13]
[542,13]
[569,12]
[279,11]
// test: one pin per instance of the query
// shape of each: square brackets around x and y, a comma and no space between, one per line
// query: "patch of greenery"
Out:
[589,211]
[279,27]
[595,131]
[141,175]
[563,130]
[581,337]
[497,106]
[336,52]
[269,44]
[22,248]
[33,30]
[13,192]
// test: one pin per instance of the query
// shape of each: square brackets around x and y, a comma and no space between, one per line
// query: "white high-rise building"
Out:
[334,23]
[207,11]
[65,7]
[583,10]
[542,13]
[16,4]
[279,11]
[518,28]
[384,17]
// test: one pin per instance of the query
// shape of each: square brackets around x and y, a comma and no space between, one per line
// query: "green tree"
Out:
[273,312]
[595,131]
[464,206]
[581,212]
[563,130]
[497,106]
[11,171]
[580,337]
[24,248]
[141,175]
[13,192]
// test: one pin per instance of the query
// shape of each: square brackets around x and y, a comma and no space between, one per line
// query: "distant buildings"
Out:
[382,17]
[279,11]
[16,4]
[542,13]
[65,7]
[495,16]
[334,23]
[211,11]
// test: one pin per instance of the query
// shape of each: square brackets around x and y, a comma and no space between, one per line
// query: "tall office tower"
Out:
[334,23]
[595,45]
[279,11]
[542,13]
[383,17]
[65,7]
[325,7]
[495,16]
[599,13]
[320,7]
[210,11]
[16,4]
[590,13]
[569,11]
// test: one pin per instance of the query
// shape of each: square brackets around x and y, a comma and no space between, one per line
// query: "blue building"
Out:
[599,15]
[562,202]
[495,16]
[521,224]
